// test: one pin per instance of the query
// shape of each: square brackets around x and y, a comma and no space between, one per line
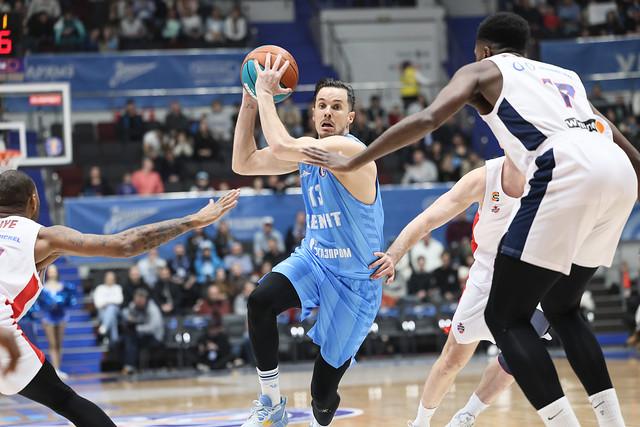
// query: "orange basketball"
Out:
[289,79]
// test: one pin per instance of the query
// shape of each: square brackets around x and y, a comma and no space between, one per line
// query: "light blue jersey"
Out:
[330,269]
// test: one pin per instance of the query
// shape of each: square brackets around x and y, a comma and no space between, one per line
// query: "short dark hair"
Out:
[331,82]
[16,188]
[506,30]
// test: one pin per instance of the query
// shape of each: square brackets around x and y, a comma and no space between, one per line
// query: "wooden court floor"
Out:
[374,393]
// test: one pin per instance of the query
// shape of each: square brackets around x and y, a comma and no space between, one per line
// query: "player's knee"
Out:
[258,303]
[60,400]
[453,360]
[494,320]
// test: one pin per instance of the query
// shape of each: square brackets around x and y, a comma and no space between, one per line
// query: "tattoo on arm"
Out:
[146,237]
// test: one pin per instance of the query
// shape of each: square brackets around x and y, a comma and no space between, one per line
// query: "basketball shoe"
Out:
[463,419]
[265,414]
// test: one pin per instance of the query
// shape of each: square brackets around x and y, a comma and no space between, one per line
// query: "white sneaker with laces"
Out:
[463,419]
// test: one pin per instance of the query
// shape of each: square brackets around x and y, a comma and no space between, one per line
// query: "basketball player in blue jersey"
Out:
[330,268]
[580,189]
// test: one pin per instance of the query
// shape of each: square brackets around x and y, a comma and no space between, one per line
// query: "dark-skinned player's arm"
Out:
[8,341]
[467,191]
[464,85]
[247,158]
[282,144]
[622,142]
[58,240]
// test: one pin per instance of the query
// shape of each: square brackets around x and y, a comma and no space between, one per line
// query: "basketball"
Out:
[248,74]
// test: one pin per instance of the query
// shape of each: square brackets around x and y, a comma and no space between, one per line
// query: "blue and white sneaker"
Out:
[265,414]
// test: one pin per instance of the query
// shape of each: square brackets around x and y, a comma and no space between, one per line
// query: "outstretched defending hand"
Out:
[384,266]
[268,80]
[335,162]
[216,210]
[8,341]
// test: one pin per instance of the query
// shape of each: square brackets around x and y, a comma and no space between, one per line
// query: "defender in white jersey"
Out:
[496,188]
[26,249]
[580,190]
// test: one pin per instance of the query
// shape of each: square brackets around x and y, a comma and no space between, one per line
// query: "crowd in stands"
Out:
[64,26]
[552,19]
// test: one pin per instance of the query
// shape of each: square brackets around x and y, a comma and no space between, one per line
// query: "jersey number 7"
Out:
[566,91]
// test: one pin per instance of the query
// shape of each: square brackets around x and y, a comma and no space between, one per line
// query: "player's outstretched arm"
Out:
[247,159]
[627,147]
[467,191]
[8,341]
[59,240]
[462,88]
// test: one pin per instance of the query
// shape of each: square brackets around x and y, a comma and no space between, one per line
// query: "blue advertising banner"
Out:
[113,214]
[594,56]
[101,73]
[106,215]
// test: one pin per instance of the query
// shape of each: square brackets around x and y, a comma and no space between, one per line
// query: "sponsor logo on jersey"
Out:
[591,125]
[460,327]
[495,196]
[224,418]
[495,209]
[304,173]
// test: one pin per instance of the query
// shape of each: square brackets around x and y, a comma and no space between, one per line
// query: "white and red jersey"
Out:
[490,223]
[538,102]
[20,282]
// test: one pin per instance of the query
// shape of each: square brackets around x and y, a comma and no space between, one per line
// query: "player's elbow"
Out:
[238,167]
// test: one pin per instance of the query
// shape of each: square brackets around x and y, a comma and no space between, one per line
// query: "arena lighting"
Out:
[374,328]
[408,326]
[444,323]
[186,337]
[178,337]
[297,331]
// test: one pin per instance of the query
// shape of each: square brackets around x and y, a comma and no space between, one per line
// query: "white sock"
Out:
[607,408]
[270,384]
[474,406]
[559,413]
[423,419]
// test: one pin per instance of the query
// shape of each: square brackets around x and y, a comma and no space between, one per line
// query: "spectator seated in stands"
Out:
[150,267]
[40,18]
[291,117]
[214,348]
[130,125]
[215,304]
[375,110]
[192,28]
[237,256]
[236,29]
[214,30]
[420,283]
[445,278]
[95,185]
[458,230]
[202,183]
[182,145]
[126,188]
[195,241]
[219,122]
[146,180]
[205,145]
[109,40]
[240,302]
[276,184]
[172,28]
[107,299]
[206,264]
[431,249]
[176,120]
[132,30]
[236,279]
[422,170]
[171,169]
[153,143]
[261,239]
[180,264]
[69,32]
[274,253]
[132,284]
[167,292]
[224,239]
[296,232]
[570,15]
[143,328]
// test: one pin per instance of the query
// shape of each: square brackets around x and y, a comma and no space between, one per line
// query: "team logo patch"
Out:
[495,196]
[460,327]
[495,209]
[226,418]
[323,172]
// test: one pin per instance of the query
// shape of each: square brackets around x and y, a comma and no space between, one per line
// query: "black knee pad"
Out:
[324,412]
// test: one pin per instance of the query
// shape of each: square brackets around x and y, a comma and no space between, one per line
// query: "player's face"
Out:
[331,114]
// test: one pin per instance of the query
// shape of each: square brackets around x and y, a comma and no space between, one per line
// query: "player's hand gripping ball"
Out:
[249,74]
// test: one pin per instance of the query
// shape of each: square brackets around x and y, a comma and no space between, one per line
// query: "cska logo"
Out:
[495,196]
[6,45]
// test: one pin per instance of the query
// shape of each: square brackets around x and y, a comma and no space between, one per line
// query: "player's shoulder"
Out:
[349,144]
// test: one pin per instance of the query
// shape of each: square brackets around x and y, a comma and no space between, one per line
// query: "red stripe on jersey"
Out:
[24,297]
[36,350]
[474,245]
